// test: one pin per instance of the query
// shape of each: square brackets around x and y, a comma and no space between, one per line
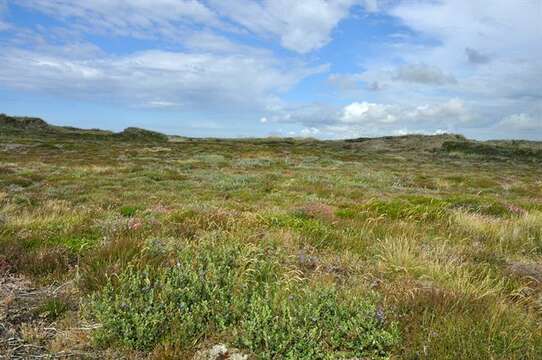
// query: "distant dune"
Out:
[446,143]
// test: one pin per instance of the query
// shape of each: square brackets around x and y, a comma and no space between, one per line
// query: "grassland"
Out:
[404,248]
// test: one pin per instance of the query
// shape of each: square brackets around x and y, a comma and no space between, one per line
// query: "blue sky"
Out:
[320,68]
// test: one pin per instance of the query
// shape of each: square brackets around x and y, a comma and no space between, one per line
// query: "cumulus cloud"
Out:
[504,37]
[368,113]
[375,119]
[309,132]
[423,74]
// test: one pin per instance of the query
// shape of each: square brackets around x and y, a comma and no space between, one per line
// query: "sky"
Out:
[307,68]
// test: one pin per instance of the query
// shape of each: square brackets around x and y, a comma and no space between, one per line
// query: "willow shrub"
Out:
[243,295]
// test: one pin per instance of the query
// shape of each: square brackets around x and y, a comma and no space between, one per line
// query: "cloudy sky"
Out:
[321,68]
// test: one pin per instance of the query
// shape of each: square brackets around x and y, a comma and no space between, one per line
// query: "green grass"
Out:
[285,249]
[128,211]
[53,308]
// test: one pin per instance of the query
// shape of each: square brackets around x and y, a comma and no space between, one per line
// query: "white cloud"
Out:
[453,109]
[521,122]
[207,41]
[376,119]
[309,132]
[137,18]
[162,104]
[214,55]
[301,26]
[504,36]
[505,28]
[493,50]
[155,78]
[371,5]
[366,113]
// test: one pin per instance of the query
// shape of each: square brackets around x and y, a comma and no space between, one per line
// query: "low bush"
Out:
[491,149]
[237,294]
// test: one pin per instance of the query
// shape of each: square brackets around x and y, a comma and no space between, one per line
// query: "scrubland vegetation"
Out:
[136,246]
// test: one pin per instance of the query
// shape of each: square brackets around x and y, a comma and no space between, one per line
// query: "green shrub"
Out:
[137,134]
[314,323]
[487,150]
[239,294]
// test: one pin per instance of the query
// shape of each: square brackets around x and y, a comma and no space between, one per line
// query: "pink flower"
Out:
[516,209]
[134,224]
